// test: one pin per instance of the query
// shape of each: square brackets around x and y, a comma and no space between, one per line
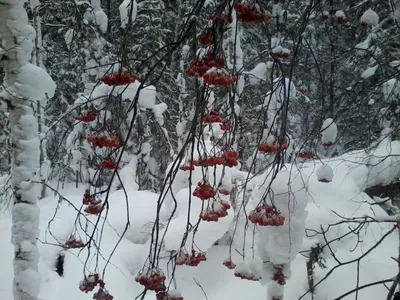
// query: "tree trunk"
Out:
[23,83]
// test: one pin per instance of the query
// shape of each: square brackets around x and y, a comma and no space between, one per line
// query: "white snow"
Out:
[324,173]
[69,35]
[340,14]
[369,72]
[370,18]
[328,131]
[99,16]
[128,11]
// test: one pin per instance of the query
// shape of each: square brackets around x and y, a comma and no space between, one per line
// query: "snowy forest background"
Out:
[199,149]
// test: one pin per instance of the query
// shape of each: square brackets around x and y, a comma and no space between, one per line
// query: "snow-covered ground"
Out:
[211,280]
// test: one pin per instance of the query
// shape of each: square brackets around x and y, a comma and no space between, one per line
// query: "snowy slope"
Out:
[343,196]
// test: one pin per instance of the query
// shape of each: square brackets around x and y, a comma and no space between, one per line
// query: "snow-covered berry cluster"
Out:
[103,140]
[74,243]
[217,211]
[109,164]
[192,260]
[118,79]
[87,118]
[152,279]
[94,207]
[89,283]
[204,191]
[272,148]
[199,67]
[171,295]
[219,77]
[266,215]
[249,14]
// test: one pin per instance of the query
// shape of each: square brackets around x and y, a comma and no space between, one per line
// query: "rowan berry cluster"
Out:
[168,296]
[266,215]
[206,39]
[249,14]
[102,294]
[103,140]
[109,164]
[204,191]
[199,67]
[278,276]
[229,264]
[222,20]
[87,118]
[90,282]
[73,243]
[213,214]
[192,260]
[305,155]
[118,79]
[219,78]
[153,280]
[247,276]
[272,148]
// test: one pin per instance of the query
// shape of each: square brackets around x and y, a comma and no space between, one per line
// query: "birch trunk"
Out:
[24,84]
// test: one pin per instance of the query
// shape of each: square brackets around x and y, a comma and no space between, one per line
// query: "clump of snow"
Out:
[370,18]
[259,72]
[288,194]
[128,12]
[34,83]
[158,111]
[69,35]
[99,16]
[391,89]
[369,72]
[340,14]
[324,173]
[328,131]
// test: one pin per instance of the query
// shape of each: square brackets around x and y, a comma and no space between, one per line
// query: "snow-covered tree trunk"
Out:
[24,84]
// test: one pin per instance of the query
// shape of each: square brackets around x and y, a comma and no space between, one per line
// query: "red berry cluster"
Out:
[206,39]
[73,243]
[87,118]
[187,167]
[204,191]
[192,260]
[219,78]
[199,67]
[89,199]
[327,144]
[280,54]
[102,294]
[230,159]
[325,16]
[224,191]
[248,14]
[103,141]
[152,280]
[213,117]
[247,276]
[226,125]
[324,180]
[213,214]
[305,155]
[167,296]
[341,20]
[303,91]
[266,215]
[229,264]
[117,79]
[223,20]
[279,277]
[272,149]
[90,282]
[109,164]
[94,209]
